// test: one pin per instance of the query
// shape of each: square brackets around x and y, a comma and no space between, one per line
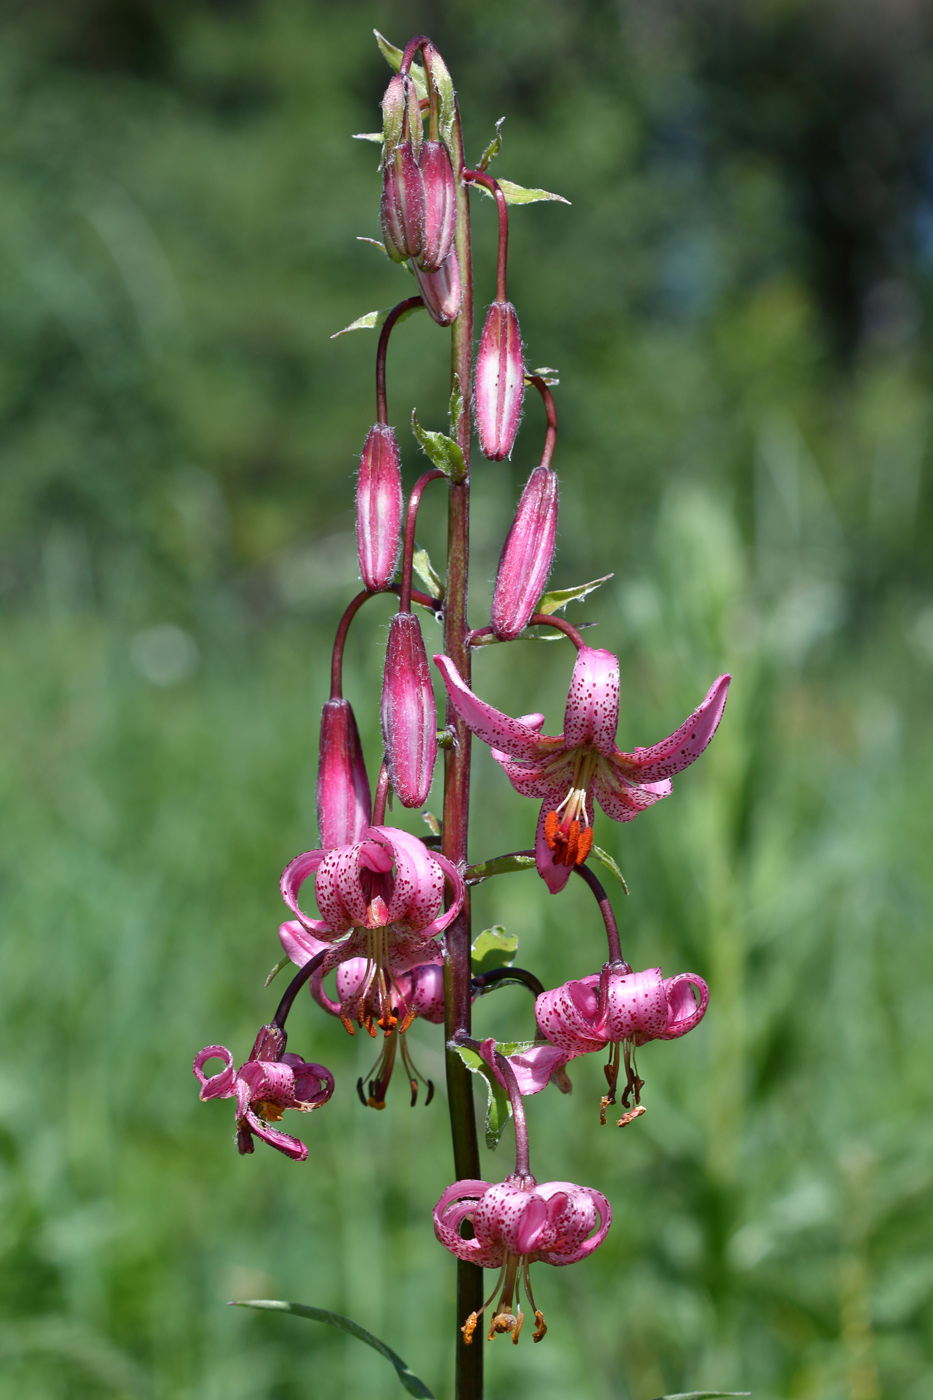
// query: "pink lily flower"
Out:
[621,1008]
[382,899]
[416,991]
[517,1223]
[263,1090]
[565,771]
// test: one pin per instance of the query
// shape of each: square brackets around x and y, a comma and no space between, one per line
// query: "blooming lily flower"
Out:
[263,1090]
[517,1223]
[566,770]
[382,900]
[417,991]
[621,1008]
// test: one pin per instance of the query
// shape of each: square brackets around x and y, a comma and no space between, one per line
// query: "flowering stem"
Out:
[409,304]
[411,521]
[424,600]
[605,908]
[382,794]
[503,1067]
[550,441]
[457,987]
[485,981]
[479,178]
[294,987]
[536,620]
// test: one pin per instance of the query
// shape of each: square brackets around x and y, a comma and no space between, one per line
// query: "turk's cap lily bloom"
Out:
[409,718]
[344,803]
[263,1089]
[616,1005]
[567,772]
[517,1223]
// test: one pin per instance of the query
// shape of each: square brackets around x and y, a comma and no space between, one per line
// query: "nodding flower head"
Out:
[267,1084]
[567,772]
[517,1223]
[382,900]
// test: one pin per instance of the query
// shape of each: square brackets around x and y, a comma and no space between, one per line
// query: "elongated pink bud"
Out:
[344,804]
[440,205]
[526,555]
[409,720]
[402,204]
[499,382]
[441,290]
[379,508]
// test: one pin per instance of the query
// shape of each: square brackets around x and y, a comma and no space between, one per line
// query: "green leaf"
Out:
[431,820]
[609,863]
[560,597]
[445,91]
[421,563]
[518,194]
[282,962]
[443,452]
[498,1103]
[377,243]
[501,865]
[367,136]
[393,57]
[704,1394]
[493,149]
[550,375]
[409,1380]
[493,948]
[374,319]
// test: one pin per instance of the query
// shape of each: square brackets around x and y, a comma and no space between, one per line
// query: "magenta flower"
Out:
[379,508]
[409,719]
[382,899]
[568,771]
[499,381]
[517,1223]
[344,804]
[263,1090]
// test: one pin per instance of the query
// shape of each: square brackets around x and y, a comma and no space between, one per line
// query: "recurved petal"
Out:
[592,714]
[221,1085]
[685,745]
[548,781]
[418,890]
[623,797]
[298,944]
[532,1068]
[583,1210]
[567,1015]
[283,1142]
[637,1006]
[512,736]
[293,877]
[684,1009]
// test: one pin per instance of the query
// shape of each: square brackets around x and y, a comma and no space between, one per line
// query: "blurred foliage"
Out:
[738,301]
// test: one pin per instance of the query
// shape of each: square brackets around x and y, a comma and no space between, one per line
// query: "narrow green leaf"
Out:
[493,149]
[445,91]
[609,863]
[442,451]
[431,821]
[560,597]
[421,563]
[501,865]
[550,375]
[704,1394]
[518,194]
[367,136]
[376,243]
[409,1380]
[282,962]
[374,319]
[493,948]
[393,57]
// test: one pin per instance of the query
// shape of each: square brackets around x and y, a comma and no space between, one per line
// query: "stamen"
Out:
[468,1328]
[541,1328]
[271,1112]
[632,1114]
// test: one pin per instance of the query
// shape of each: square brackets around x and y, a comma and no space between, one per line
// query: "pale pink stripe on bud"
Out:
[526,555]
[440,205]
[393,111]
[344,804]
[441,290]
[499,381]
[409,720]
[402,204]
[379,508]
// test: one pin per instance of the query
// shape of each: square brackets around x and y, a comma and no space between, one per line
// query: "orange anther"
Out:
[347,1025]
[468,1328]
[551,824]
[541,1328]
[584,845]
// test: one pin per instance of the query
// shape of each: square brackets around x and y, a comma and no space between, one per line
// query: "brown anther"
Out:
[271,1112]
[630,1117]
[370,1026]
[604,1103]
[373,1102]
[551,825]
[359,1090]
[584,845]
[406,1019]
[347,1024]
[414,1091]
[541,1328]
[503,1321]
[517,1328]
[469,1327]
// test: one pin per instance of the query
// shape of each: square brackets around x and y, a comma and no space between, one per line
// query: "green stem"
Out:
[469,1381]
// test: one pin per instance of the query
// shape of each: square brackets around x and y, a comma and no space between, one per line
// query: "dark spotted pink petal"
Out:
[293,877]
[222,1084]
[637,1006]
[427,995]
[592,714]
[684,1010]
[298,944]
[532,1068]
[620,797]
[581,1212]
[685,745]
[548,781]
[344,804]
[568,1016]
[512,736]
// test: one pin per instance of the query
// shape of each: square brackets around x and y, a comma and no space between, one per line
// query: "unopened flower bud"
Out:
[499,382]
[379,508]
[344,804]
[414,130]
[409,720]
[393,112]
[441,290]
[402,204]
[440,205]
[526,555]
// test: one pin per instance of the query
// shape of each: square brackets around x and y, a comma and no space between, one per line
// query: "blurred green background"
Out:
[738,302]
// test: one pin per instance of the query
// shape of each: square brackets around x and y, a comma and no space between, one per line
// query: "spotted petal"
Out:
[592,714]
[685,745]
[512,736]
